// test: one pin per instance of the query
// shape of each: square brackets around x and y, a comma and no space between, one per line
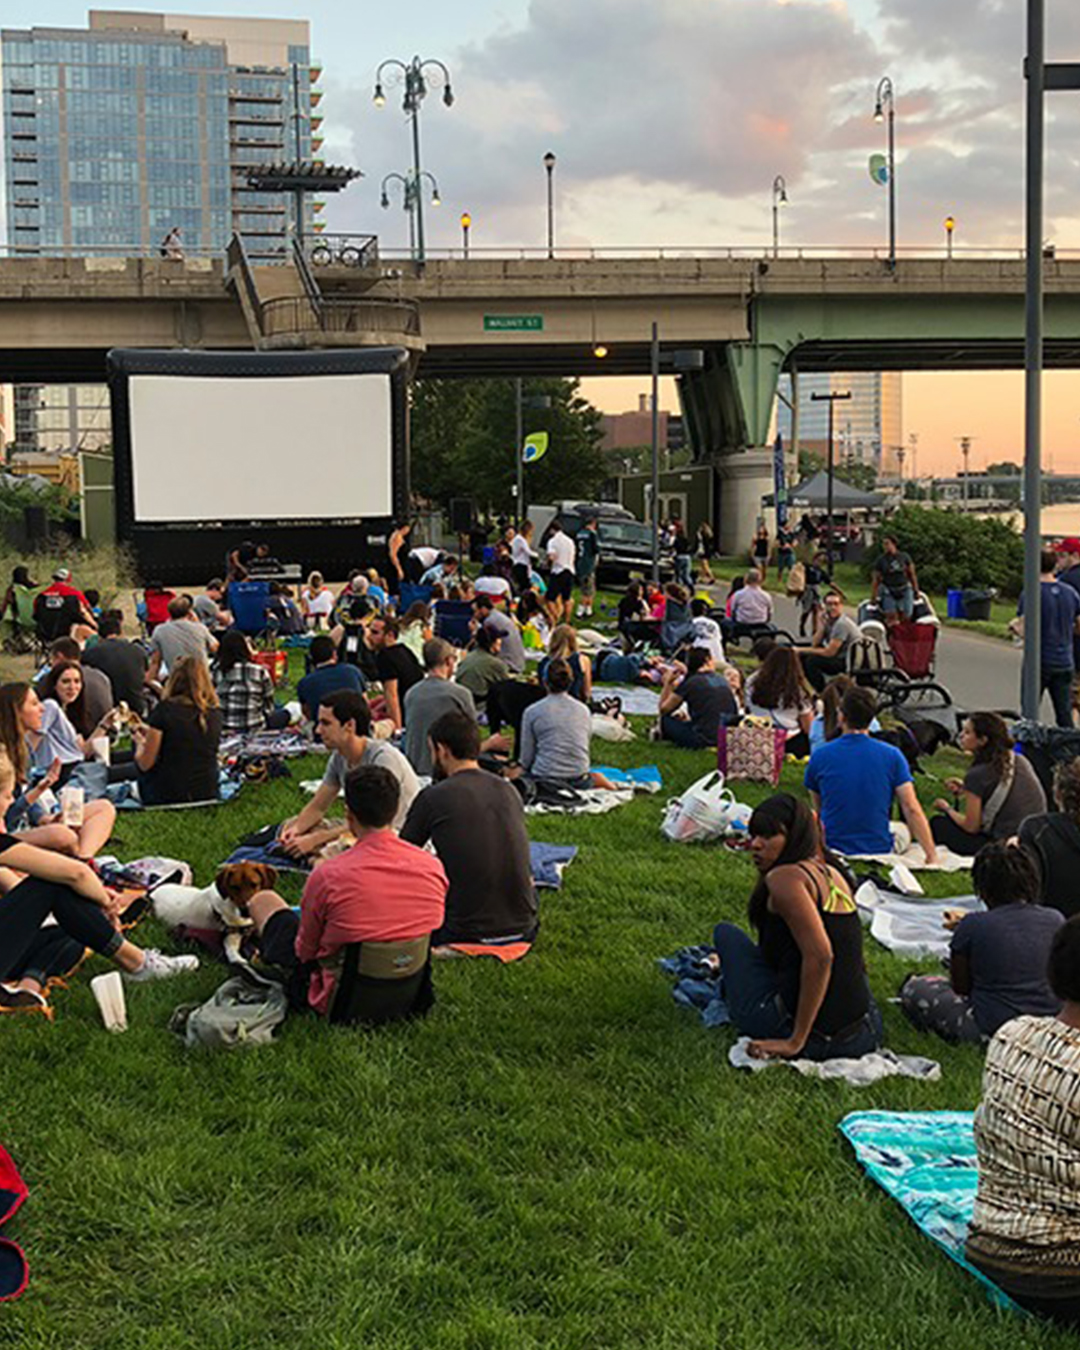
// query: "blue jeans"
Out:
[1059,684]
[682,569]
[681,732]
[752,994]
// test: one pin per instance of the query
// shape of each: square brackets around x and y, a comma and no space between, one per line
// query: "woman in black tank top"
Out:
[801,991]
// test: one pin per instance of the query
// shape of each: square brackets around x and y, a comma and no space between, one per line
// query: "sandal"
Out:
[14,1000]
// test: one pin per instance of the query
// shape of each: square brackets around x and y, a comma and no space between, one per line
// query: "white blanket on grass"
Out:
[592,802]
[907,925]
[860,1072]
[637,699]
[910,854]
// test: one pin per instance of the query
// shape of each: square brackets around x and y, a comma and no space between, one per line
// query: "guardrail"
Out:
[732,253]
[293,314]
[343,250]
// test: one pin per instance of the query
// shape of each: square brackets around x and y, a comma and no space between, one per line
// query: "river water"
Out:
[1058,521]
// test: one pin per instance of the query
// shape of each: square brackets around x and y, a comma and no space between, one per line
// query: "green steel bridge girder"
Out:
[729,404]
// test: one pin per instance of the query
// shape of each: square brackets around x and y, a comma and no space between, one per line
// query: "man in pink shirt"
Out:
[383,894]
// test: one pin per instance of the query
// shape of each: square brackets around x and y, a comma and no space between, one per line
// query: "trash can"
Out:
[976,604]
[954,604]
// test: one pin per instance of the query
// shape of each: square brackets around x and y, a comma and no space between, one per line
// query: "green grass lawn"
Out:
[558,1156]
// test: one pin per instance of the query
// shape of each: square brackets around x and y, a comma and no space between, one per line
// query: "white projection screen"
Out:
[293,448]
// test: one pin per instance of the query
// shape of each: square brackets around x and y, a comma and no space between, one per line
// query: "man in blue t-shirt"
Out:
[1059,610]
[325,676]
[853,781]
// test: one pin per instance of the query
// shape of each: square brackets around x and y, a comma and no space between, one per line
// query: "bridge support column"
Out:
[745,477]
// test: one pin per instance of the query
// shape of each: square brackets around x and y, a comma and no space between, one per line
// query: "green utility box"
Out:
[690,493]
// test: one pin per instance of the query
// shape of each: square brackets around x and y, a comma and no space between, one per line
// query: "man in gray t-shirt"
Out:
[512,650]
[376,755]
[183,635]
[425,703]
[829,655]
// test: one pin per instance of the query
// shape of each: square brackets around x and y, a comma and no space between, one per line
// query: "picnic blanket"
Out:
[910,926]
[125,796]
[644,779]
[504,950]
[548,860]
[286,744]
[583,802]
[926,1161]
[636,699]
[861,1072]
[909,854]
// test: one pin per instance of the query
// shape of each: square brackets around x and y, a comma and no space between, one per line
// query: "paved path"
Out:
[979,672]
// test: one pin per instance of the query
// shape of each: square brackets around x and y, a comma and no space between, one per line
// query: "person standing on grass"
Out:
[684,554]
[1059,609]
[344,726]
[759,550]
[562,555]
[522,557]
[800,991]
[894,580]
[997,960]
[586,564]
[854,780]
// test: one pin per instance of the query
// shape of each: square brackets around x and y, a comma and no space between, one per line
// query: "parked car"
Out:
[625,542]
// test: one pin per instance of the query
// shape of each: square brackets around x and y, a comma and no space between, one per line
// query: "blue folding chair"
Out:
[452,621]
[409,593]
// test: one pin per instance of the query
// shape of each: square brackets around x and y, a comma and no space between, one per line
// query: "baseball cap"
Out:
[62,573]
[1070,545]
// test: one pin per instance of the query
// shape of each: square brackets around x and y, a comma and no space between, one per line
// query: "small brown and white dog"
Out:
[220,907]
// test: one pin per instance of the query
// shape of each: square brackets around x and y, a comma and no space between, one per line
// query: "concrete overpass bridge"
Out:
[753,317]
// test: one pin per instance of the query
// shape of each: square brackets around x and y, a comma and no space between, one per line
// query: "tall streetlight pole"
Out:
[416,88]
[466,222]
[549,165]
[832,399]
[411,193]
[779,198]
[885,99]
[900,453]
[1040,76]
[965,450]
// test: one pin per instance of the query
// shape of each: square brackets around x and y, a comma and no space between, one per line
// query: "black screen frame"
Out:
[184,552]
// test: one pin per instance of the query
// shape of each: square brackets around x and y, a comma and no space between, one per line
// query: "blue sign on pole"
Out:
[779,484]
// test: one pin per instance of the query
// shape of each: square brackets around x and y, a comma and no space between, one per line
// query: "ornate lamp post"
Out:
[414,76]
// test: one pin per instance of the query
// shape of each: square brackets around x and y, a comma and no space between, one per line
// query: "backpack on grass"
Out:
[246,1010]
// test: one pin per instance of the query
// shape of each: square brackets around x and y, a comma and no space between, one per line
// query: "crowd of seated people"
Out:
[378,902]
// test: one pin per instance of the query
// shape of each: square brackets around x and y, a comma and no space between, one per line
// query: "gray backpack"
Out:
[246,1010]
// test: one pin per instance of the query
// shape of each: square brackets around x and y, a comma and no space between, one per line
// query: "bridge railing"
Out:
[342,250]
[733,253]
[293,315]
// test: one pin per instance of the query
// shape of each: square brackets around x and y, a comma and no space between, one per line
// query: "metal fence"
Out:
[289,314]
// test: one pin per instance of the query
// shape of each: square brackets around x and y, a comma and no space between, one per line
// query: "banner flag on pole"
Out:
[779,483]
[535,447]
[879,169]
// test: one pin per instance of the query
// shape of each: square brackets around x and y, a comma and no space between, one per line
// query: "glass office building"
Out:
[140,124]
[868,428]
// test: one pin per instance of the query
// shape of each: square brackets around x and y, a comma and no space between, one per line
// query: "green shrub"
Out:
[954,550]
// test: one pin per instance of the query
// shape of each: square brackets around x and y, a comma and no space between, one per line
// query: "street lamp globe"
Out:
[549,161]
[466,220]
[379,98]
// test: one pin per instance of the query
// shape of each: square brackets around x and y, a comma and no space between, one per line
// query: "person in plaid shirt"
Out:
[244,689]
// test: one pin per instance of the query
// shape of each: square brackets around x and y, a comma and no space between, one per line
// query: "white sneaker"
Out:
[157,966]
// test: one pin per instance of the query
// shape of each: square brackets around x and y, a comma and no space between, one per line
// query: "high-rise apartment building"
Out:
[116,134]
[867,428]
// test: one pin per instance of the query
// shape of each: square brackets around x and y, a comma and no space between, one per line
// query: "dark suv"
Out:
[625,542]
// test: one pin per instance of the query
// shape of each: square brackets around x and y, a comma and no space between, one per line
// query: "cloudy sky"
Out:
[670,119]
